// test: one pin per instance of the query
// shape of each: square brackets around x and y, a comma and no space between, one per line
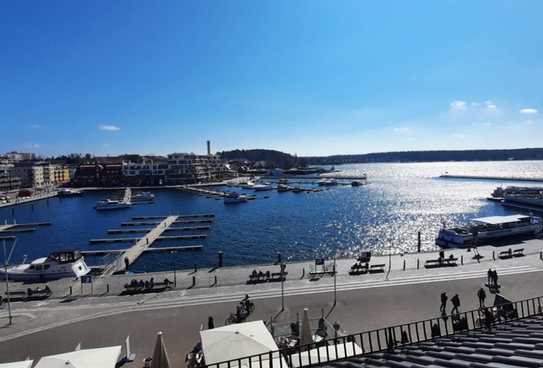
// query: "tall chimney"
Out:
[209,148]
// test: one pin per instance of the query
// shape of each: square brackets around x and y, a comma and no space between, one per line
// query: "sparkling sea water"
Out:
[386,214]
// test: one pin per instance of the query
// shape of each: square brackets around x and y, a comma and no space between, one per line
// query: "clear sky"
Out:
[306,77]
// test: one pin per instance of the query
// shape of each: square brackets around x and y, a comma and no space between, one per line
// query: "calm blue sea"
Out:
[399,201]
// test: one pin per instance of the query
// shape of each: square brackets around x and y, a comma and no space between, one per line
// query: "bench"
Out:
[359,269]
[27,295]
[276,276]
[375,268]
[441,262]
[506,254]
[518,252]
[136,288]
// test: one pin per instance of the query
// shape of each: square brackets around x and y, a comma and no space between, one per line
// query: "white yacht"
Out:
[262,187]
[489,228]
[65,192]
[143,196]
[110,204]
[234,197]
[55,266]
[327,182]
[248,185]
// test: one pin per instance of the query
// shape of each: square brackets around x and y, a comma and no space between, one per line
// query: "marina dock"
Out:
[146,230]
[21,228]
[132,254]
[148,250]
[154,223]
[196,215]
[202,191]
[504,178]
[157,238]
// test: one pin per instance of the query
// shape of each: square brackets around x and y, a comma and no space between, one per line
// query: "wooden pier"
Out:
[182,248]
[20,228]
[154,223]
[141,244]
[202,191]
[187,216]
[129,240]
[147,229]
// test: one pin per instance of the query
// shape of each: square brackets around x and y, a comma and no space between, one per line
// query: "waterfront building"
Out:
[147,171]
[30,173]
[186,168]
[8,181]
[15,156]
[87,175]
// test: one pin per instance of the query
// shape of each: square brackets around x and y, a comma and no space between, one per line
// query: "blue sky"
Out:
[306,77]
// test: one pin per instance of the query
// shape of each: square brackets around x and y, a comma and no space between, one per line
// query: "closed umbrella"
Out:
[160,356]
[307,336]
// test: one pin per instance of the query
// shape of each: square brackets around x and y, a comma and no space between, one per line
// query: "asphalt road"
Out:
[356,310]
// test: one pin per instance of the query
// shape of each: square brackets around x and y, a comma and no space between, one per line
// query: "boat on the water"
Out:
[281,188]
[327,182]
[143,196]
[65,192]
[297,190]
[357,183]
[248,185]
[262,187]
[110,204]
[501,192]
[55,266]
[234,197]
[484,229]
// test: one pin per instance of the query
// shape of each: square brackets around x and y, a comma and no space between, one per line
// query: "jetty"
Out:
[148,250]
[202,191]
[196,215]
[157,238]
[147,229]
[494,178]
[154,223]
[141,244]
[21,228]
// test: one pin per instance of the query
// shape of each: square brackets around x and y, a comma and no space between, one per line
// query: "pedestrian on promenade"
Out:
[210,323]
[444,298]
[455,300]
[489,276]
[481,294]
[496,279]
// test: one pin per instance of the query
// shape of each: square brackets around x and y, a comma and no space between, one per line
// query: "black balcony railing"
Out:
[363,343]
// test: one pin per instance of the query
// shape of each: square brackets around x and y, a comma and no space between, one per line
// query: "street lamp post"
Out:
[6,260]
[282,265]
[335,284]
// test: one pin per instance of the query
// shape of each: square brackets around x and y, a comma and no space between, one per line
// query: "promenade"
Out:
[29,199]
[363,302]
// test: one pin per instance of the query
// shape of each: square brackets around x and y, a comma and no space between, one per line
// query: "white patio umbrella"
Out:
[86,358]
[237,341]
[160,356]
[306,336]
[21,364]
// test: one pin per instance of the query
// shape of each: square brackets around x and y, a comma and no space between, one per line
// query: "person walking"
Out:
[455,300]
[489,278]
[481,294]
[496,280]
[444,298]
[210,323]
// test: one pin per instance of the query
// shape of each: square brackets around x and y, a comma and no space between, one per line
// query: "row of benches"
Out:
[262,277]
[364,268]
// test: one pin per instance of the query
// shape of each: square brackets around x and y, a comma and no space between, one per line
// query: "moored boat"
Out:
[110,204]
[65,192]
[262,187]
[143,196]
[484,229]
[281,188]
[55,266]
[234,197]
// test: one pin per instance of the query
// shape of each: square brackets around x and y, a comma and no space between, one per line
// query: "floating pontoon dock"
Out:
[148,250]
[19,228]
[128,240]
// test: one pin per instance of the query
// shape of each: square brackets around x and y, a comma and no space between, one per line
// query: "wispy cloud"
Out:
[528,111]
[458,105]
[109,128]
[490,106]
[35,126]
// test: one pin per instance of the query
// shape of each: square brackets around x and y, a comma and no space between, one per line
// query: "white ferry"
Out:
[234,197]
[55,266]
[65,192]
[110,204]
[489,228]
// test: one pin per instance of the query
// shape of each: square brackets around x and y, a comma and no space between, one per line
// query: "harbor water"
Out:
[384,215]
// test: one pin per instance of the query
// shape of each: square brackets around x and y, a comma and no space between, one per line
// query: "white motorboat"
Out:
[248,185]
[143,196]
[55,266]
[327,182]
[65,192]
[281,188]
[262,187]
[110,204]
[234,197]
[485,229]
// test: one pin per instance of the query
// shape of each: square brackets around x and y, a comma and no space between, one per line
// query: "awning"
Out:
[238,341]
[21,364]
[337,351]
[86,358]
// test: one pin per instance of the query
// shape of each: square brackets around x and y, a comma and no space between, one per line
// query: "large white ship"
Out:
[55,266]
[484,229]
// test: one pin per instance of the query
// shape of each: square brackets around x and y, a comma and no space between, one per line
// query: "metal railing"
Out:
[363,343]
